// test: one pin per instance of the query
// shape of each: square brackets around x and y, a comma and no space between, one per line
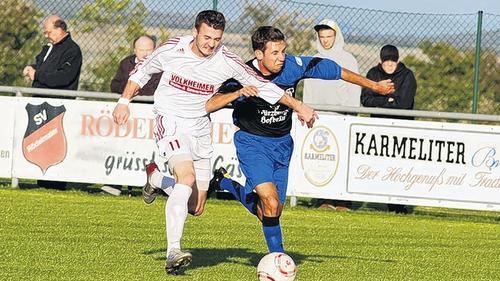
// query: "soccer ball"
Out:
[277,267]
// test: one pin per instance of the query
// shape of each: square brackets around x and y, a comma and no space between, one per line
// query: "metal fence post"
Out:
[477,61]
[215,3]
[14,182]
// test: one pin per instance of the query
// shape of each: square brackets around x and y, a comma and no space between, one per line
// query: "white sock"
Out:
[156,178]
[176,211]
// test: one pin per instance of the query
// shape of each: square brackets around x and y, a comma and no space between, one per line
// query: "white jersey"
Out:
[188,80]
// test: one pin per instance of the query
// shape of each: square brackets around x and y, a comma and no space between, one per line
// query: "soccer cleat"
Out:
[176,260]
[149,192]
[214,184]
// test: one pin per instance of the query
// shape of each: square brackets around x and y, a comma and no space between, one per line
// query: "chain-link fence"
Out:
[439,48]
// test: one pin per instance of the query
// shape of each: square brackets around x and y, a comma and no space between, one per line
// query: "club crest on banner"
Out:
[319,156]
[44,142]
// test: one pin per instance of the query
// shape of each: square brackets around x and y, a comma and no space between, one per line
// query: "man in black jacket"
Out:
[404,81]
[403,98]
[57,66]
[59,63]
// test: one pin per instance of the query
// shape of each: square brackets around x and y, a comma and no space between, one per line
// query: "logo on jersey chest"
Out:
[191,86]
[272,115]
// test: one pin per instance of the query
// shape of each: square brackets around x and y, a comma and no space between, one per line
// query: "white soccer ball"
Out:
[277,267]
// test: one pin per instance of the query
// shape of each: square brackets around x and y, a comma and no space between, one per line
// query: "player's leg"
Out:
[176,149]
[222,181]
[256,165]
[270,209]
[200,190]
[272,196]
[176,211]
[156,180]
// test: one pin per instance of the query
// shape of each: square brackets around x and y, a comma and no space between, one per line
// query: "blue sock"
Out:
[167,184]
[249,200]
[272,232]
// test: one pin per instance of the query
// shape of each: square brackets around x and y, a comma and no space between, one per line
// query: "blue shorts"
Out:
[264,159]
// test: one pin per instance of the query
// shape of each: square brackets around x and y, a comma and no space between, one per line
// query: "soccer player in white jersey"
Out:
[194,67]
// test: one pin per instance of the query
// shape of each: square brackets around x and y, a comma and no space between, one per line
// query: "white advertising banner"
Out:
[399,161]
[342,157]
[78,141]
[7,136]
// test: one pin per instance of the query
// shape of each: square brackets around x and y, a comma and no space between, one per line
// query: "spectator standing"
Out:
[330,44]
[143,46]
[59,63]
[403,98]
[57,66]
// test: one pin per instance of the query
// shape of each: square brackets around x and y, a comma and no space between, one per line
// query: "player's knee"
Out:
[271,205]
[188,180]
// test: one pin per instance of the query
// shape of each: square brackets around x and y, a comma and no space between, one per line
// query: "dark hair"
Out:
[266,34]
[61,24]
[152,37]
[211,18]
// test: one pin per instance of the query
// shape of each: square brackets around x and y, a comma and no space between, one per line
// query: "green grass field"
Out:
[75,235]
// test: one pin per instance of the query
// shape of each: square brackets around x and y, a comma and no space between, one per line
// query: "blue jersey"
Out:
[256,116]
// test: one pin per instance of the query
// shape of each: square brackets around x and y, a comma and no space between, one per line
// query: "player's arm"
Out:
[384,87]
[220,100]
[238,70]
[121,112]
[305,113]
[326,69]
[138,78]
[269,92]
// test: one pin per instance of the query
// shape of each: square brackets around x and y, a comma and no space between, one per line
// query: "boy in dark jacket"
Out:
[403,98]
[404,81]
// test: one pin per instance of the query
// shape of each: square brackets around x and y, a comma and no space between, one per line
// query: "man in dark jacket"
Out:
[143,47]
[57,66]
[403,98]
[59,63]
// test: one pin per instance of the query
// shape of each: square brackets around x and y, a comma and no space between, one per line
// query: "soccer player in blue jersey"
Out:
[263,144]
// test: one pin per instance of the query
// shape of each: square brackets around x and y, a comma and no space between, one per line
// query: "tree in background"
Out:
[297,29]
[119,22]
[20,40]
[445,79]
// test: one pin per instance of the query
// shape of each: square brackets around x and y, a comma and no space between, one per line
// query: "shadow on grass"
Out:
[74,186]
[207,257]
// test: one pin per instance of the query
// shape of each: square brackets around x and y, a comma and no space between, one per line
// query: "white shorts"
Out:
[187,139]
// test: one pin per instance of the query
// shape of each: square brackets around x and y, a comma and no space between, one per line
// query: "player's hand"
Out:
[121,114]
[307,115]
[385,87]
[249,91]
[309,124]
